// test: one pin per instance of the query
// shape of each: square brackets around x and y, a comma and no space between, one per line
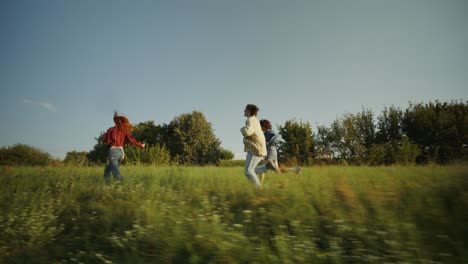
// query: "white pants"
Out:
[251,169]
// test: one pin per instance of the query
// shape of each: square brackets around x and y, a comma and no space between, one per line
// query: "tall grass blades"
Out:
[215,215]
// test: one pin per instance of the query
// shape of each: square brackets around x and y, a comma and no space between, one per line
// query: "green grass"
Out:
[215,215]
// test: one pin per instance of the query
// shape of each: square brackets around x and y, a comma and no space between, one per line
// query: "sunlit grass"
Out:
[214,214]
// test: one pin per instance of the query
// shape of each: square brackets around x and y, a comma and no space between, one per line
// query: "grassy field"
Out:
[214,215]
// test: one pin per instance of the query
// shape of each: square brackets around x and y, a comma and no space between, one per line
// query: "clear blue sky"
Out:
[65,66]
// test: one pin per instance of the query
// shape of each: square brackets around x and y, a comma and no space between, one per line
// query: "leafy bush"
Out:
[25,155]
[226,154]
[150,155]
[407,152]
[76,158]
[191,140]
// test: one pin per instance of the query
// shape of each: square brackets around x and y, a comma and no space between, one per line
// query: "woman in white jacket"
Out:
[254,143]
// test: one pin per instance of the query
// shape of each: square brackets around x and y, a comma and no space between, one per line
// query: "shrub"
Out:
[25,155]
[226,154]
[150,155]
[76,158]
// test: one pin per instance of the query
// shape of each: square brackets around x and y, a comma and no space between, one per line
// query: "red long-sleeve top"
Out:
[116,138]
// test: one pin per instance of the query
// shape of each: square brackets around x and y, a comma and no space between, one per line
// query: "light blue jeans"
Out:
[251,169]
[115,156]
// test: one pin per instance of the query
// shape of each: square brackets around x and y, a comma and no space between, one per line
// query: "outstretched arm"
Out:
[274,140]
[134,141]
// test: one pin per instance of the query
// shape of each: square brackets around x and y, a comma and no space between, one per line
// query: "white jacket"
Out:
[254,140]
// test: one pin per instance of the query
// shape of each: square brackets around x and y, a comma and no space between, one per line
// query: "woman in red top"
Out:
[115,137]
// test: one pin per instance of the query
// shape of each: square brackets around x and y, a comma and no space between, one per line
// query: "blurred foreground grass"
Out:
[214,215]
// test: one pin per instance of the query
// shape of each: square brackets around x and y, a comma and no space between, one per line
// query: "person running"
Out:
[115,138]
[272,139]
[254,143]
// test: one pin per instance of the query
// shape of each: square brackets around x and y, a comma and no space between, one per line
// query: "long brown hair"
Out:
[122,123]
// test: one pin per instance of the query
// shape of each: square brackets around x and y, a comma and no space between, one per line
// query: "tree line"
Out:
[433,132]
[424,132]
[187,140]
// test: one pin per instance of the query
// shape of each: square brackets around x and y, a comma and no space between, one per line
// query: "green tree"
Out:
[297,142]
[25,155]
[440,128]
[353,139]
[407,152]
[150,133]
[389,126]
[347,138]
[323,146]
[226,154]
[336,138]
[388,137]
[364,122]
[98,155]
[76,158]
[191,140]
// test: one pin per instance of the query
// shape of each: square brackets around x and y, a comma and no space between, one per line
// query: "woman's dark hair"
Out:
[265,123]
[252,108]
